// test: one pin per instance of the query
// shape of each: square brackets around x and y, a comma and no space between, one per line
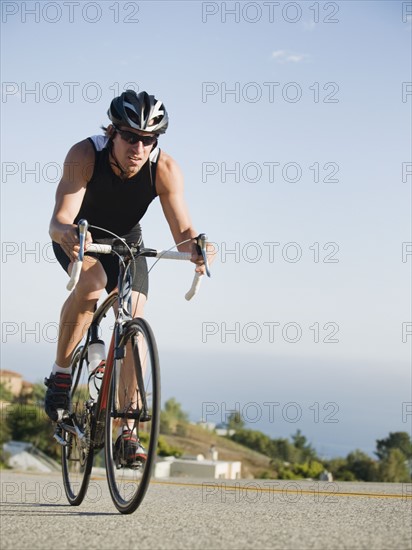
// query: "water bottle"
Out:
[96,363]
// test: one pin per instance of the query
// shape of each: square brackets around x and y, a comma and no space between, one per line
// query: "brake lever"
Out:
[201,242]
[82,230]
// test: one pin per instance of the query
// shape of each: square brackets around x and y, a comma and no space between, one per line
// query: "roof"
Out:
[10,373]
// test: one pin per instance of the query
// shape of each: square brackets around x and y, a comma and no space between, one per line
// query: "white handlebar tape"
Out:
[75,275]
[195,286]
[100,248]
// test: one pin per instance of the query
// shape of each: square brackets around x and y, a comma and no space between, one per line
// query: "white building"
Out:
[198,467]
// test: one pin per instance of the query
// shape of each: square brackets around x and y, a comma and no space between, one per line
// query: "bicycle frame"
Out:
[116,351]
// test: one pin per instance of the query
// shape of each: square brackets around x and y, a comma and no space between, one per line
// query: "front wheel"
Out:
[132,417]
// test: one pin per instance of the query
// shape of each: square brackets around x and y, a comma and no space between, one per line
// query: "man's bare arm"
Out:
[69,196]
[170,188]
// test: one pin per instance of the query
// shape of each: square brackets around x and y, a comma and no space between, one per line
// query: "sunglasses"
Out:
[132,138]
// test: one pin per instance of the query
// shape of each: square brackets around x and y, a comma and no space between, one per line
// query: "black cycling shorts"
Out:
[110,265]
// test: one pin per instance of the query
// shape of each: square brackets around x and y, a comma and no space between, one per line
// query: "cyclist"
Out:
[111,180]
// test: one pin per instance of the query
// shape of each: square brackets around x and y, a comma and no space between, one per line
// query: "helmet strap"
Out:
[123,173]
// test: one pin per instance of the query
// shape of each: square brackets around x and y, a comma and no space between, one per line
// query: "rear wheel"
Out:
[132,418]
[77,453]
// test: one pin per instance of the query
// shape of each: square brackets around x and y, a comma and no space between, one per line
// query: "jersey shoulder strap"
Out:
[154,155]
[98,142]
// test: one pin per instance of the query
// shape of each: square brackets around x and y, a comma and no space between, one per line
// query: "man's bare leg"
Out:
[128,382]
[76,314]
[77,311]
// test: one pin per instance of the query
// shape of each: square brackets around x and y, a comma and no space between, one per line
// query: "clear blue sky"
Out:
[292,126]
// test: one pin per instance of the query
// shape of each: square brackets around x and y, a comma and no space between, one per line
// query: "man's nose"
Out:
[138,147]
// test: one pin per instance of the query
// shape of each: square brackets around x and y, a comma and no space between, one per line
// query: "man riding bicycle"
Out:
[110,181]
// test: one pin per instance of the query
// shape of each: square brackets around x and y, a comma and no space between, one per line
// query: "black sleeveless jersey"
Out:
[113,203]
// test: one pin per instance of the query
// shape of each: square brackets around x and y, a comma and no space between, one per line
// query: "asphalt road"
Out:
[215,514]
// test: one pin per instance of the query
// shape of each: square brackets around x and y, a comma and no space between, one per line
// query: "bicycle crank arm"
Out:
[58,436]
[73,429]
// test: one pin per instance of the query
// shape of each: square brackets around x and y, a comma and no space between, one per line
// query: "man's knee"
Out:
[91,285]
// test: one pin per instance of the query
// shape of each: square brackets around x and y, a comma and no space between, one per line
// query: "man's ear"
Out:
[154,146]
[111,130]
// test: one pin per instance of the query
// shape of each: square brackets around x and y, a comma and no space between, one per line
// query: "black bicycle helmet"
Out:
[139,111]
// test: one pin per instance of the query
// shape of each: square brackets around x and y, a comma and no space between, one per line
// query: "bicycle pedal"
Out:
[62,414]
[60,440]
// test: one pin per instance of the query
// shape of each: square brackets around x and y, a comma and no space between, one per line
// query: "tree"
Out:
[283,449]
[299,440]
[311,469]
[5,393]
[280,449]
[339,469]
[174,409]
[362,466]
[394,467]
[253,439]
[38,393]
[395,440]
[172,419]
[29,423]
[235,421]
[306,451]
[5,435]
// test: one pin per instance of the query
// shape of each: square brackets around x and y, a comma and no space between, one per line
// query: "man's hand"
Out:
[198,259]
[70,242]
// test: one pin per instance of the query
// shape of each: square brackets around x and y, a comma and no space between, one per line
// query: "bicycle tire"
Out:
[77,456]
[128,473]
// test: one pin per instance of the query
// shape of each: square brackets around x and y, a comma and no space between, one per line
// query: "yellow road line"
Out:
[289,490]
[283,490]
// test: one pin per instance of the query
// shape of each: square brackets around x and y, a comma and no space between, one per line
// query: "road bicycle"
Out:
[129,393]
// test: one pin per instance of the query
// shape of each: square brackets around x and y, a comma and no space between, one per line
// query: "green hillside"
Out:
[198,441]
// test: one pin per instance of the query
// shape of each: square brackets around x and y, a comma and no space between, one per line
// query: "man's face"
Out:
[132,156]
